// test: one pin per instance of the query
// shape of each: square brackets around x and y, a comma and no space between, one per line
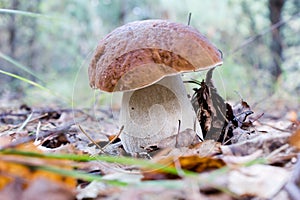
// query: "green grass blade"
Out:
[18,65]
[111,159]
[25,13]
[36,85]
[25,80]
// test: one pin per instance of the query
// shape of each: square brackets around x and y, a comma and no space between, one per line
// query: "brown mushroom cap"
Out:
[141,53]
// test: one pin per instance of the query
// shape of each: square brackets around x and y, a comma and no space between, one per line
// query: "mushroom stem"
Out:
[153,113]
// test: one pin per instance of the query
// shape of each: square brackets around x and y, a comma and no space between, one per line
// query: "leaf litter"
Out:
[243,155]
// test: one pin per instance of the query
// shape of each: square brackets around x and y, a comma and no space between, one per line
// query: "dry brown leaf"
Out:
[191,163]
[210,108]
[294,140]
[200,164]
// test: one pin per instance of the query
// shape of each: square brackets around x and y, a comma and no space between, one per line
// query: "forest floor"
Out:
[63,153]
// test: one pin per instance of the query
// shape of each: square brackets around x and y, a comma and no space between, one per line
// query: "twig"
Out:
[178,167]
[239,94]
[258,117]
[179,126]
[178,131]
[274,127]
[25,123]
[276,151]
[91,139]
[37,132]
[29,121]
[226,133]
[111,141]
[189,18]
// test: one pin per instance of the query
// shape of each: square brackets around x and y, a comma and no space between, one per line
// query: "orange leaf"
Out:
[295,139]
[192,163]
[14,167]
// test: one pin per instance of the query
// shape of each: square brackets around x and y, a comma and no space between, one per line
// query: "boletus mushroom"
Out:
[144,60]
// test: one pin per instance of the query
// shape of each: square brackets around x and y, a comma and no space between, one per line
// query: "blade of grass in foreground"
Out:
[112,159]
[18,65]
[126,160]
[27,14]
[36,85]
[120,160]
[25,80]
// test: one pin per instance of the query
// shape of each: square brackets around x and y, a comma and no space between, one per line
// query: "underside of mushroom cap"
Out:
[147,51]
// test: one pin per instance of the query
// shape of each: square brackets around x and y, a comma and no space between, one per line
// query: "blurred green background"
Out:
[261,61]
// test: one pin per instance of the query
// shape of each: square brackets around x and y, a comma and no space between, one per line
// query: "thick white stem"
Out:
[153,113]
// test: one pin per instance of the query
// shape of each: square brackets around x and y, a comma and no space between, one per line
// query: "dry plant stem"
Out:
[178,168]
[91,139]
[24,123]
[273,154]
[274,127]
[178,131]
[37,132]
[117,136]
[189,19]
[226,133]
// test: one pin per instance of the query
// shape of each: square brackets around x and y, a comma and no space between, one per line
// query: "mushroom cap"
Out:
[141,53]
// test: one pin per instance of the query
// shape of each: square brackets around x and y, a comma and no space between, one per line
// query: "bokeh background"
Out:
[260,41]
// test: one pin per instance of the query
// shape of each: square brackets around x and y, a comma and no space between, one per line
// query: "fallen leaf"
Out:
[192,163]
[200,164]
[46,189]
[5,140]
[183,139]
[14,167]
[262,181]
[294,140]
[266,142]
[13,190]
[206,148]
